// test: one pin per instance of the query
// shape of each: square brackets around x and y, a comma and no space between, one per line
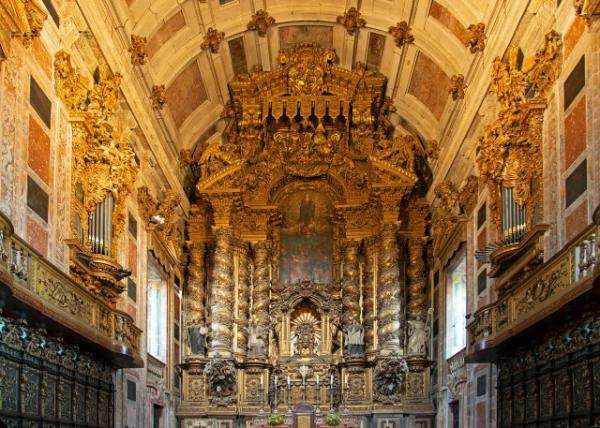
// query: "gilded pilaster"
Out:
[244,282]
[221,293]
[388,296]
[350,285]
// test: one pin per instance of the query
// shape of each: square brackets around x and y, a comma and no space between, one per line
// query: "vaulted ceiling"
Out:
[419,73]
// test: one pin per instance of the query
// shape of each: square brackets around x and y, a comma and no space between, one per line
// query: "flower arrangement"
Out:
[333,419]
[275,420]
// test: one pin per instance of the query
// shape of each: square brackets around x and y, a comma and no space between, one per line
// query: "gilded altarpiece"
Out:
[298,299]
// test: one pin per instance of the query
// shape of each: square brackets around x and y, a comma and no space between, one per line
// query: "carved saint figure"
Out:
[354,338]
[418,333]
[197,335]
[256,341]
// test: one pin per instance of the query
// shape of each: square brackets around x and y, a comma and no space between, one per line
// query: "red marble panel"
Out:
[575,132]
[445,17]
[481,415]
[132,257]
[481,242]
[38,150]
[131,310]
[37,236]
[186,93]
[577,220]
[573,35]
[42,57]
[430,85]
[164,33]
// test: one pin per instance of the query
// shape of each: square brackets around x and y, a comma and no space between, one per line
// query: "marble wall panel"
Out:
[430,85]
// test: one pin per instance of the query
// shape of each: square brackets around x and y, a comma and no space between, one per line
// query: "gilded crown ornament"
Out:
[457,87]
[477,37]
[402,34]
[158,97]
[260,22]
[212,40]
[138,50]
[351,20]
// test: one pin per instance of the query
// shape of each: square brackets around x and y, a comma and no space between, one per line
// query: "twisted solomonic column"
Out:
[350,285]
[260,295]
[221,293]
[369,316]
[244,279]
[416,279]
[195,287]
[389,293]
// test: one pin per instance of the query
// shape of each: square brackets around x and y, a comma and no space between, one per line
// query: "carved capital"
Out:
[158,97]
[457,87]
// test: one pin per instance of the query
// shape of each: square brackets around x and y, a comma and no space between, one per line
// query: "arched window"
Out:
[456,307]
[157,312]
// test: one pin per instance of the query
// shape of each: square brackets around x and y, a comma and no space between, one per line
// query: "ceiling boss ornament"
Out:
[138,50]
[457,87]
[402,34]
[260,22]
[351,20]
[477,37]
[212,40]
[158,97]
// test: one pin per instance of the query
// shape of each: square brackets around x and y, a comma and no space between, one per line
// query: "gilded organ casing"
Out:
[300,207]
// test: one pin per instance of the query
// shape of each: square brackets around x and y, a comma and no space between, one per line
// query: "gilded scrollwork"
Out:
[510,148]
[245,272]
[260,297]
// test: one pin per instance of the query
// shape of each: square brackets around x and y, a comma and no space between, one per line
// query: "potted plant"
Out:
[332,420]
[275,420]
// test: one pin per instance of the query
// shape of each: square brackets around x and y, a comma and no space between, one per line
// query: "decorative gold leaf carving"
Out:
[138,50]
[477,37]
[212,40]
[402,34]
[260,22]
[351,20]
[457,87]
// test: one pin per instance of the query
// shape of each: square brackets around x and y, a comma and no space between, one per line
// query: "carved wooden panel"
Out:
[44,382]
[554,382]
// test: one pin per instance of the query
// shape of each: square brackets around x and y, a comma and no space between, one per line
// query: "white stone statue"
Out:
[256,343]
[418,334]
[354,338]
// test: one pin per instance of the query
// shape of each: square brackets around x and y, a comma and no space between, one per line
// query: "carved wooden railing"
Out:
[33,281]
[558,281]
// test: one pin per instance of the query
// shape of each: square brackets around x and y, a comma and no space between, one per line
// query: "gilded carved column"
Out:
[196,285]
[260,295]
[388,296]
[244,278]
[416,267]
[368,295]
[221,293]
[350,285]
[416,279]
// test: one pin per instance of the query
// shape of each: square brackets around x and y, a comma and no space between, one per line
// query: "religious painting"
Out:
[238,55]
[306,238]
[293,35]
[375,50]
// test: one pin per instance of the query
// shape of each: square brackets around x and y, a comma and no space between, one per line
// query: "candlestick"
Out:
[288,379]
[317,379]
[318,397]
